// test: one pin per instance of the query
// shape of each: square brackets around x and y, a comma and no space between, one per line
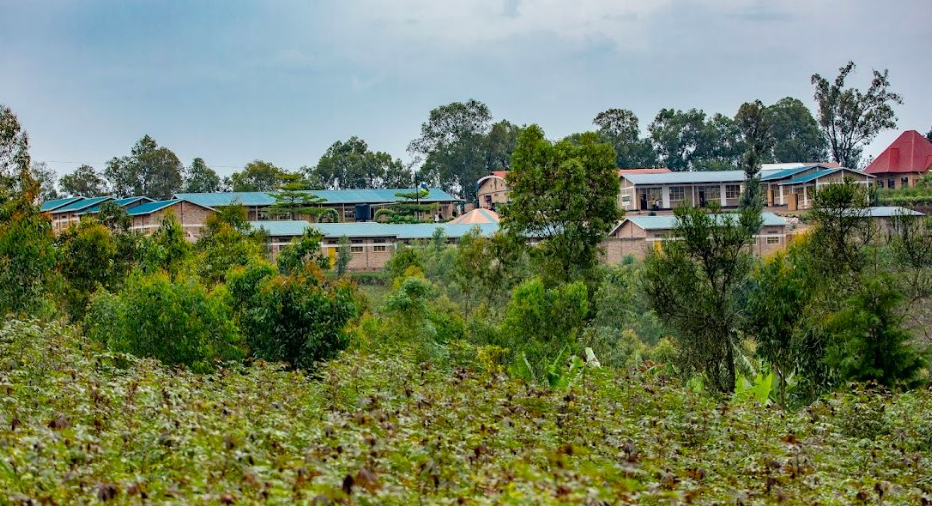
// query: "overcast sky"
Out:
[232,81]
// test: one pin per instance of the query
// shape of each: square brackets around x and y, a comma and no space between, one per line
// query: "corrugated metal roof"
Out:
[787,173]
[891,211]
[363,196]
[368,229]
[151,207]
[477,216]
[81,204]
[51,205]
[668,221]
[120,202]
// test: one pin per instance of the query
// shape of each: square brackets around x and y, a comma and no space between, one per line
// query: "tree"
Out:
[500,144]
[303,253]
[83,182]
[297,318]
[114,217]
[14,150]
[46,179]
[257,176]
[27,252]
[694,285]
[676,136]
[226,241]
[352,164]
[410,209]
[167,249]
[149,170]
[199,178]
[796,134]
[754,125]
[452,147]
[175,320]
[566,194]
[720,145]
[851,119]
[929,135]
[87,260]
[869,342]
[541,325]
[619,127]
[344,255]
[293,199]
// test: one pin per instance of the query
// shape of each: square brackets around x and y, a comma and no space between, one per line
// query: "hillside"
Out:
[80,425]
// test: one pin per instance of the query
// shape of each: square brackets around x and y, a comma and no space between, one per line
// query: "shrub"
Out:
[298,318]
[88,261]
[176,321]
[27,254]
[543,323]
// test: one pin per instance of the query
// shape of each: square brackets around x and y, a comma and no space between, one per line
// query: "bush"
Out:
[176,321]
[543,323]
[299,318]
[88,261]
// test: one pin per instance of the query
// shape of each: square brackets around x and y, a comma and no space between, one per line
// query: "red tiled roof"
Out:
[910,152]
[500,173]
[653,170]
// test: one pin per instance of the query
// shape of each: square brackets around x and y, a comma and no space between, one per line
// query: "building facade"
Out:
[904,161]
[492,191]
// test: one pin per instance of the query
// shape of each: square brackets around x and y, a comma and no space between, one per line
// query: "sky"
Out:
[232,81]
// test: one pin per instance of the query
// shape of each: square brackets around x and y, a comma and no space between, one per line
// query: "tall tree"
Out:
[294,200]
[500,144]
[14,149]
[565,193]
[47,180]
[929,135]
[619,127]
[720,145]
[694,285]
[149,170]
[352,164]
[851,119]
[452,146]
[256,176]
[753,123]
[676,136]
[83,182]
[796,134]
[199,178]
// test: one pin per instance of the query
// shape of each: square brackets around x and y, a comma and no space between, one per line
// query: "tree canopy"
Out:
[199,178]
[796,134]
[150,170]
[85,181]
[351,164]
[256,176]
[619,127]
[850,118]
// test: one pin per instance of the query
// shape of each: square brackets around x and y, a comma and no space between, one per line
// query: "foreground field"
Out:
[78,425]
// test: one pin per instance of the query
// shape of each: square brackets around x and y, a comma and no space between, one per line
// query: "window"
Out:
[891,183]
[773,240]
[879,183]
[677,195]
[356,249]
[378,249]
[904,182]
[732,191]
[349,214]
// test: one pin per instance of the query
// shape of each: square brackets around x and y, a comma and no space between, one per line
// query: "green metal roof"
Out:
[51,205]
[788,172]
[365,196]
[819,174]
[151,207]
[81,205]
[668,221]
[120,202]
[370,229]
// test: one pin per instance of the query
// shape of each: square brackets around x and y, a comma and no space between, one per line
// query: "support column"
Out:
[665,199]
[722,195]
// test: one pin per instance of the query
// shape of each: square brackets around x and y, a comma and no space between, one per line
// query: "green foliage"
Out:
[293,200]
[226,241]
[403,259]
[344,255]
[175,320]
[114,217]
[566,194]
[541,324]
[85,181]
[409,434]
[256,176]
[757,136]
[199,178]
[351,164]
[167,249]
[689,141]
[797,137]
[297,318]
[869,342]
[619,127]
[150,170]
[87,263]
[27,255]
[303,252]
[693,284]
[851,119]
[14,152]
